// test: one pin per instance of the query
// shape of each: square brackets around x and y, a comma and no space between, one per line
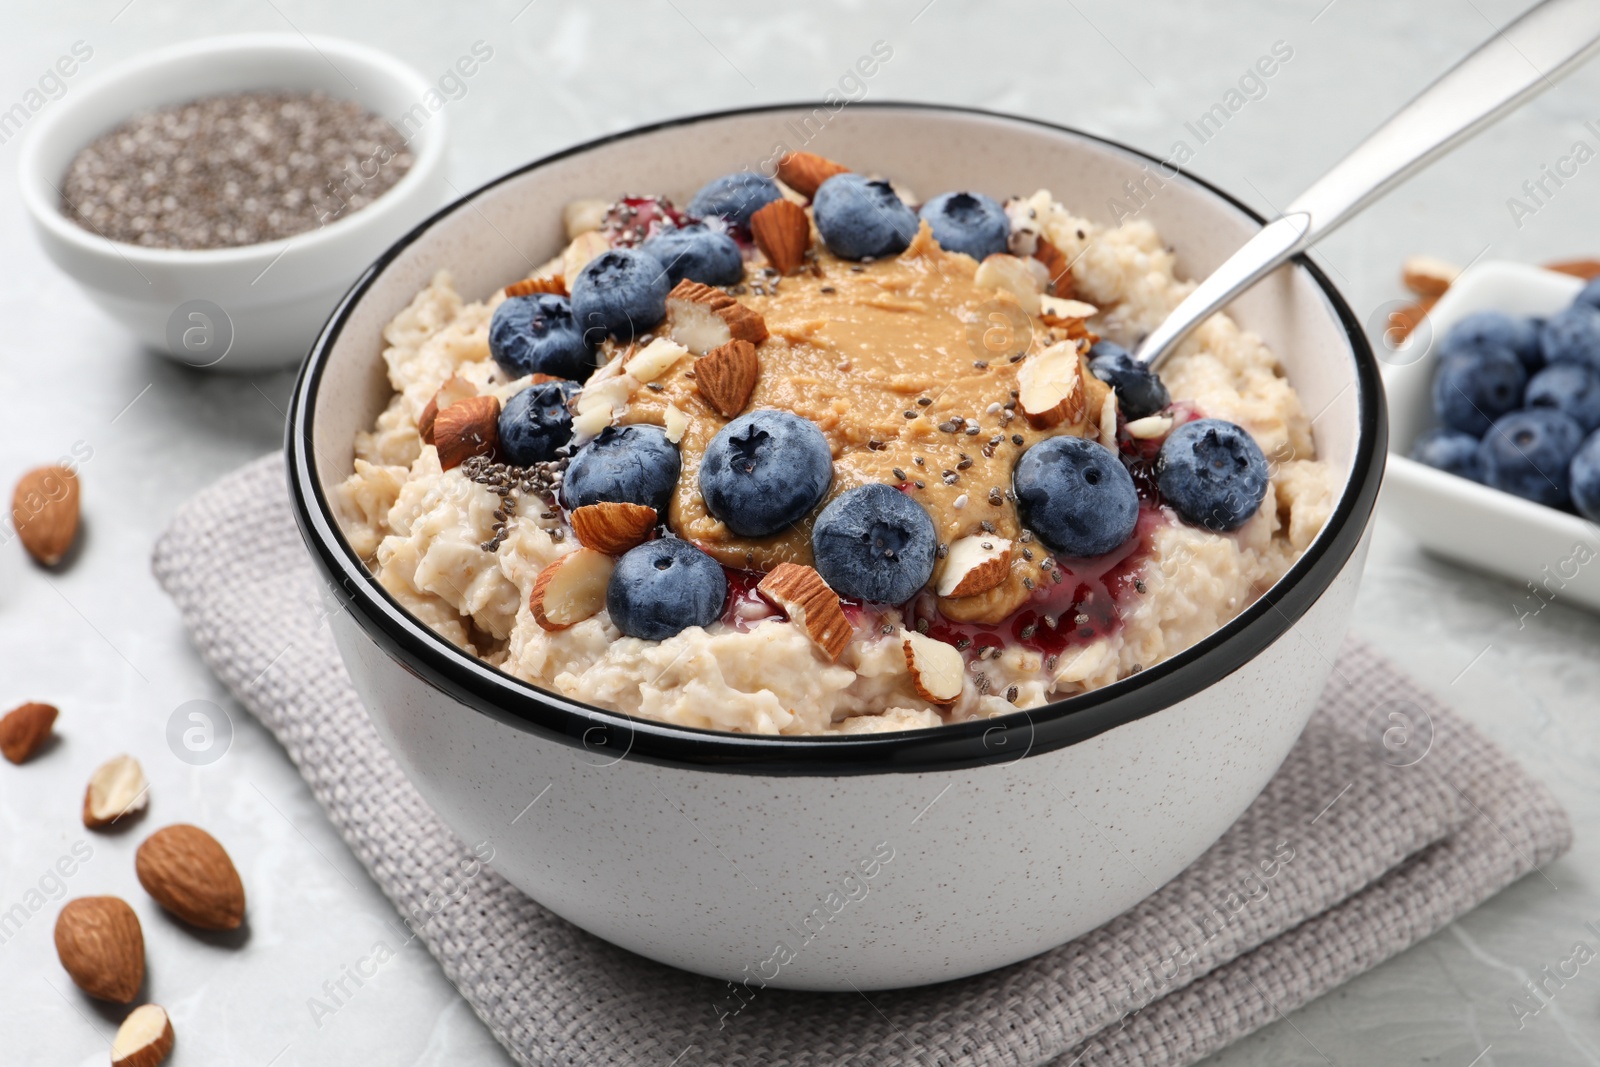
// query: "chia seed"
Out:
[231,170]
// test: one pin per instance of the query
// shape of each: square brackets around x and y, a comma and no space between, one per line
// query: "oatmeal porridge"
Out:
[797,458]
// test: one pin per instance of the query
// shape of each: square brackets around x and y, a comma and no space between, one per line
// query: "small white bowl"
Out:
[255,306]
[1545,552]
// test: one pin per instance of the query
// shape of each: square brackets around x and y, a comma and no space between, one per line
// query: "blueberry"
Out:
[859,218]
[874,543]
[537,334]
[1527,453]
[968,222]
[626,464]
[1497,330]
[1076,495]
[664,587]
[622,292]
[1570,387]
[1589,294]
[765,471]
[698,253]
[1471,391]
[536,422]
[1572,336]
[1449,450]
[1139,391]
[734,197]
[1212,473]
[1585,474]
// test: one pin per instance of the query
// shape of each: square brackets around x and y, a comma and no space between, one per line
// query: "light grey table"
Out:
[102,641]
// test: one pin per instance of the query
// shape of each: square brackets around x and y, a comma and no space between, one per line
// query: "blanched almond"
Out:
[144,1039]
[727,375]
[117,790]
[469,427]
[1050,387]
[571,589]
[976,564]
[808,602]
[937,669]
[613,527]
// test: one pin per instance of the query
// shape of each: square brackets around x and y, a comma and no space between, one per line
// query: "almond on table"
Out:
[25,729]
[191,875]
[117,791]
[44,510]
[101,946]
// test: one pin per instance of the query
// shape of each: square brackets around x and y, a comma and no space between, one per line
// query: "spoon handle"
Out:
[1520,61]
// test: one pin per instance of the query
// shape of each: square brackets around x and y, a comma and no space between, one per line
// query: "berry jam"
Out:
[633,219]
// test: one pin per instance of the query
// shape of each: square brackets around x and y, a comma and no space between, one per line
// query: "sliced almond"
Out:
[1050,387]
[44,510]
[581,250]
[1428,276]
[452,390]
[581,216]
[144,1039]
[613,527]
[469,427]
[783,233]
[804,172]
[976,564]
[808,602]
[937,669]
[571,589]
[676,423]
[1056,266]
[703,318]
[1587,269]
[1150,427]
[726,376]
[25,729]
[528,286]
[655,359]
[117,790]
[189,873]
[1054,307]
[101,945]
[1001,271]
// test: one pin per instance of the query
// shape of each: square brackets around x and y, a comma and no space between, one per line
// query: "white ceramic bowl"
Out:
[256,306]
[871,861]
[1542,551]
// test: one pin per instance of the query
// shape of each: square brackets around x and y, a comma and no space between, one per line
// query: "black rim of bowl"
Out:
[606,736]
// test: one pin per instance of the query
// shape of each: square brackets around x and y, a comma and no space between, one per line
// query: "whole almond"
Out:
[727,375]
[144,1039]
[44,509]
[783,233]
[469,427]
[190,875]
[117,790]
[101,945]
[613,526]
[448,393]
[528,286]
[24,729]
[804,172]
[1587,269]
[1057,266]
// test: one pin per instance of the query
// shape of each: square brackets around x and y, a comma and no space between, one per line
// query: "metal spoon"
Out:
[1513,66]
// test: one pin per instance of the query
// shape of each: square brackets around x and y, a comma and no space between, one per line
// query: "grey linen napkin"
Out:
[1390,818]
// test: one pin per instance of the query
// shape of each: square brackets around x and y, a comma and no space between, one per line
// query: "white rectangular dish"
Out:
[1548,555]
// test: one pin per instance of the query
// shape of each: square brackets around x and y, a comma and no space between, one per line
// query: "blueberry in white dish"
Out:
[968,222]
[1528,453]
[734,197]
[874,543]
[663,587]
[698,253]
[1140,392]
[1572,336]
[536,334]
[1076,495]
[765,471]
[624,464]
[1449,450]
[1570,387]
[1470,391]
[1212,473]
[860,218]
[536,422]
[621,293]
[1496,329]
[1584,472]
